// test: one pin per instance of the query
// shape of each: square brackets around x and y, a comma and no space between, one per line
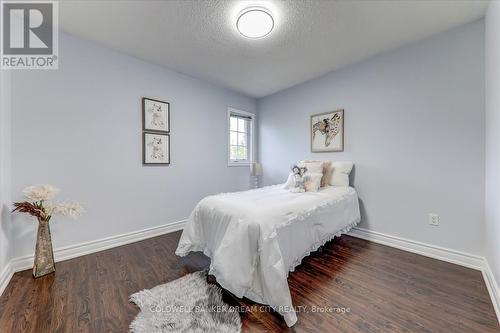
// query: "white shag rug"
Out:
[188,304]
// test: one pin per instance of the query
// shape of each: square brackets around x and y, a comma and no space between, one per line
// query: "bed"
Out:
[255,238]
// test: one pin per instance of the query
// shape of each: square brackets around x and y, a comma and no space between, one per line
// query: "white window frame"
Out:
[250,152]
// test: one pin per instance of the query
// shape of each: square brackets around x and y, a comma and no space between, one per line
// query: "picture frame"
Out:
[155,148]
[327,131]
[155,115]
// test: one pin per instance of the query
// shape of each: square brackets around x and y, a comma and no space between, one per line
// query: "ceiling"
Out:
[310,38]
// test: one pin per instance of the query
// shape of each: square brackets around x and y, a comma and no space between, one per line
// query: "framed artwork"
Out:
[155,148]
[327,131]
[155,115]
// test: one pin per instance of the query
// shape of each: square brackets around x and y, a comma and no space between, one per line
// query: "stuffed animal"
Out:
[300,178]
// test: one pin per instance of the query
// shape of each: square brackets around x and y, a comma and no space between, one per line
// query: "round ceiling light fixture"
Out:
[255,22]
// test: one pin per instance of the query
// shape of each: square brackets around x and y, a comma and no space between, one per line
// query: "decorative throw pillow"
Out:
[313,182]
[340,174]
[327,173]
[312,166]
[327,170]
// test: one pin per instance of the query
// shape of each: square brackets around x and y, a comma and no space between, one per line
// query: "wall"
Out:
[414,127]
[79,128]
[5,153]
[492,241]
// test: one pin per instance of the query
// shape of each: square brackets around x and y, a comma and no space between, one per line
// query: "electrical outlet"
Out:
[434,219]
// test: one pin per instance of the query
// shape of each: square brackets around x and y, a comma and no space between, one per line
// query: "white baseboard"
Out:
[428,250]
[493,287]
[73,251]
[5,277]
[440,253]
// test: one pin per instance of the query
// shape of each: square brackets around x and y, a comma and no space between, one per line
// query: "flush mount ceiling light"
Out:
[255,22]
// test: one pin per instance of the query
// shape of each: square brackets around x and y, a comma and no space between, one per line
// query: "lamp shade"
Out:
[256,169]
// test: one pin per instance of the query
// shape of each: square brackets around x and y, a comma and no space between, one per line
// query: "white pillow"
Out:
[340,175]
[312,166]
[313,182]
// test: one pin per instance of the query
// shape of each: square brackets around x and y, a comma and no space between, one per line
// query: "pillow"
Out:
[340,174]
[312,166]
[327,171]
[313,182]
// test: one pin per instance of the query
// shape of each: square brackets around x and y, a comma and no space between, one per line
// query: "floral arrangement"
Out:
[42,207]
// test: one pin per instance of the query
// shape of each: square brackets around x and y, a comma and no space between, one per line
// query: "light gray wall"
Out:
[414,127]
[492,244]
[79,128]
[5,160]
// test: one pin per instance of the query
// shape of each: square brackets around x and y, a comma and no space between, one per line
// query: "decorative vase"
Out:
[44,256]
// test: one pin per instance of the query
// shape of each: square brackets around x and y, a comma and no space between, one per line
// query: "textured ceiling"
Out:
[310,38]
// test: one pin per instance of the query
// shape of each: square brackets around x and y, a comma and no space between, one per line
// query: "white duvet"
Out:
[256,237]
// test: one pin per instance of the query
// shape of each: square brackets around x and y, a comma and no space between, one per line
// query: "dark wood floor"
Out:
[381,289]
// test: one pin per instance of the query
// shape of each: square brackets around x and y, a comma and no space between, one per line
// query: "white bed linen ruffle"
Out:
[256,237]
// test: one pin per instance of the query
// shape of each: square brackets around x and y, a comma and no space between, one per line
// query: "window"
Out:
[240,137]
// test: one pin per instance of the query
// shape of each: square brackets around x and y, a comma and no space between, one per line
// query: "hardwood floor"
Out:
[380,289]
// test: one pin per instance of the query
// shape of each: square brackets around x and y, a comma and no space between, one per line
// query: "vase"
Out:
[44,256]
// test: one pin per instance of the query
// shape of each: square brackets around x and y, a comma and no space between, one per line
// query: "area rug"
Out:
[188,304]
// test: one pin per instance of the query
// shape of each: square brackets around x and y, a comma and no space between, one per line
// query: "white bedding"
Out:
[256,237]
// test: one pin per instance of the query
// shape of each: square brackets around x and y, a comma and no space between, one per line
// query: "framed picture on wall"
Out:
[327,131]
[155,115]
[155,148]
